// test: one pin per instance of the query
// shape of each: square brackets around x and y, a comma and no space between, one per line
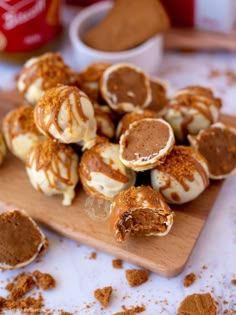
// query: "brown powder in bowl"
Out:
[136,277]
[103,295]
[117,263]
[189,279]
[44,280]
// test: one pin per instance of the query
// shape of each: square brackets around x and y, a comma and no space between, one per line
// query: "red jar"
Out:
[26,25]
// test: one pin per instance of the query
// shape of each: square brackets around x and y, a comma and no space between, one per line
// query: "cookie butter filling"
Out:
[146,143]
[141,222]
[127,85]
[218,146]
[20,239]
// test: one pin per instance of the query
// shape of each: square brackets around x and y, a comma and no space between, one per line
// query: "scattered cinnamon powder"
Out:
[136,277]
[233,281]
[117,263]
[103,295]
[189,279]
[44,280]
[65,313]
[197,304]
[93,255]
[132,311]
[21,285]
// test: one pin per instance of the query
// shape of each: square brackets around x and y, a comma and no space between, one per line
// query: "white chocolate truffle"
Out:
[125,88]
[183,176]
[21,240]
[66,114]
[52,168]
[217,144]
[140,211]
[89,78]
[192,109]
[105,121]
[102,173]
[146,144]
[41,73]
[20,131]
[3,149]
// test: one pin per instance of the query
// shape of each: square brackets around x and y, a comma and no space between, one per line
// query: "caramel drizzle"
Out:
[194,101]
[50,105]
[19,122]
[189,176]
[93,162]
[46,156]
[51,68]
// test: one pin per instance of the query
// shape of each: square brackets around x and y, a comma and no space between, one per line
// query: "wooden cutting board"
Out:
[166,256]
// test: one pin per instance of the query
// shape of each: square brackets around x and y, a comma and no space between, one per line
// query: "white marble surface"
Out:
[77,275]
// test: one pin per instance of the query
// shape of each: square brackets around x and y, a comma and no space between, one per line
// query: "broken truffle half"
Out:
[140,211]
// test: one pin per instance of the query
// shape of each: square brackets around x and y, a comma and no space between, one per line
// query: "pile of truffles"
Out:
[108,125]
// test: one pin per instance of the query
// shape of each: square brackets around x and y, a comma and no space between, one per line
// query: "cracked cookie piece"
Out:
[140,211]
[183,176]
[20,131]
[102,173]
[52,168]
[146,144]
[218,146]
[192,109]
[21,240]
[125,88]
[66,114]
[198,304]
[41,73]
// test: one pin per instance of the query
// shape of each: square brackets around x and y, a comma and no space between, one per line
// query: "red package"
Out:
[26,25]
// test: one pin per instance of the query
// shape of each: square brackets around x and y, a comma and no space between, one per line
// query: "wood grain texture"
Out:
[166,256]
[195,39]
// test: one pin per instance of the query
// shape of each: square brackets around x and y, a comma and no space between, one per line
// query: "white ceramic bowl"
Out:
[147,56]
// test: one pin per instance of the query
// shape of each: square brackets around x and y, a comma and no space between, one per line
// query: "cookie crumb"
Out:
[117,263]
[136,277]
[44,280]
[197,304]
[233,281]
[93,255]
[21,284]
[131,311]
[103,295]
[189,279]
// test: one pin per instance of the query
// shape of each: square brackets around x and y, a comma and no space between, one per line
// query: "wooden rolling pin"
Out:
[196,40]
